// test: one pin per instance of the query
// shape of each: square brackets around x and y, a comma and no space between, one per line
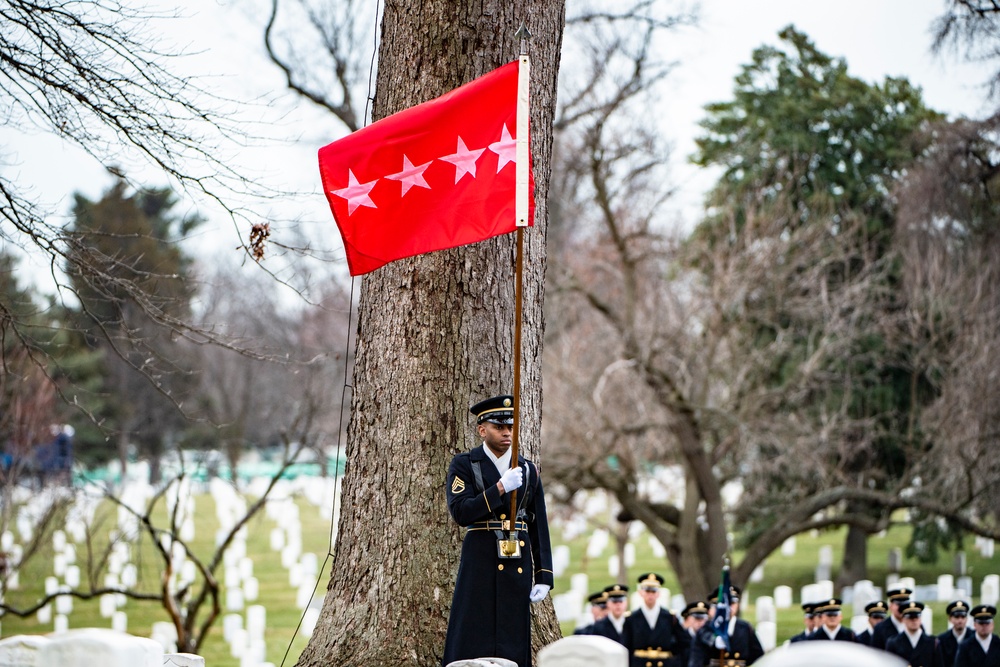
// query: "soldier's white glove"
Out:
[538,592]
[512,479]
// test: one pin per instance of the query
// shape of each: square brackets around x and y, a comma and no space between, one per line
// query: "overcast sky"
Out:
[878,38]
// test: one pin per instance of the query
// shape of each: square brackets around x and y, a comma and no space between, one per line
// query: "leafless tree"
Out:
[662,358]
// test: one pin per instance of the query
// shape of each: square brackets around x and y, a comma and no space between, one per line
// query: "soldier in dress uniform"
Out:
[877,611]
[958,616]
[809,620]
[829,611]
[612,626]
[693,617]
[893,625]
[598,610]
[653,635]
[983,648]
[912,644]
[501,572]
[744,645]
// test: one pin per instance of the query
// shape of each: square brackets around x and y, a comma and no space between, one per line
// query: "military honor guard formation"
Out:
[506,565]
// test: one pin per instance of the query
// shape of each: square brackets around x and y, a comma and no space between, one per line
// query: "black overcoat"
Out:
[970,653]
[490,615]
[927,652]
[666,635]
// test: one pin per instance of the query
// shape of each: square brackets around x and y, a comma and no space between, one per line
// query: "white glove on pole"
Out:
[512,479]
[538,592]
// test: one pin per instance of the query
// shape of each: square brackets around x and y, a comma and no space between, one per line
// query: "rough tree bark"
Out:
[435,334]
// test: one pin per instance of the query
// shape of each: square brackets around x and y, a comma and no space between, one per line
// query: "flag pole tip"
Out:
[523,32]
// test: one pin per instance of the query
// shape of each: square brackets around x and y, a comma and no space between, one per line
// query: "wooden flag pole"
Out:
[521,211]
[518,289]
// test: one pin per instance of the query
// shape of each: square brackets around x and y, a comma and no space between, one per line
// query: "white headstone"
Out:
[58,540]
[73,576]
[64,604]
[277,539]
[230,624]
[945,588]
[757,575]
[60,625]
[767,633]
[183,660]
[6,540]
[826,555]
[21,650]
[44,615]
[51,585]
[251,589]
[256,620]
[560,559]
[119,621]
[765,610]
[828,654]
[483,662]
[782,597]
[309,620]
[583,651]
[788,547]
[613,566]
[990,590]
[859,623]
[108,605]
[234,599]
[99,646]
[629,555]
[579,582]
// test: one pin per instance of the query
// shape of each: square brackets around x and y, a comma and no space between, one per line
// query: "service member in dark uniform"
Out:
[983,648]
[598,610]
[913,644]
[958,616]
[831,628]
[877,611]
[744,645]
[808,620]
[694,616]
[652,634]
[612,626]
[893,625]
[498,576]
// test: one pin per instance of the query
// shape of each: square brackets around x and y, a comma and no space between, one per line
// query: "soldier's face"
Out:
[599,611]
[912,623]
[649,596]
[616,607]
[984,629]
[831,619]
[497,437]
[958,621]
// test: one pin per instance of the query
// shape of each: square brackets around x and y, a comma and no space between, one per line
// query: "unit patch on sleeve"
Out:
[457,485]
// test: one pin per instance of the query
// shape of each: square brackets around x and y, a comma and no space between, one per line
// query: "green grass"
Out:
[275,592]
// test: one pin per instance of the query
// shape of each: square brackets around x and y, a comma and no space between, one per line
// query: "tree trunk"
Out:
[435,334]
[855,564]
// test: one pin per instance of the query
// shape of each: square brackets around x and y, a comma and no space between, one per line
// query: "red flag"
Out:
[434,176]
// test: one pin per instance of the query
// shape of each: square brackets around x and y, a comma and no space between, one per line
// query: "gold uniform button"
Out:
[522,543]
[520,571]
[500,566]
[503,516]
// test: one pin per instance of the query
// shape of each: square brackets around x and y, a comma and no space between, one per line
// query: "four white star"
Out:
[506,149]
[411,176]
[356,193]
[464,160]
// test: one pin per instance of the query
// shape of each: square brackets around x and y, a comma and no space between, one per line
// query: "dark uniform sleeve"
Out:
[538,533]
[466,504]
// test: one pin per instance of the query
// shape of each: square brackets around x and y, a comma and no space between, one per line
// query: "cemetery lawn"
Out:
[275,592]
[278,596]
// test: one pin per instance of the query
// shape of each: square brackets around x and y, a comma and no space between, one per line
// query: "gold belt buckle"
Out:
[509,548]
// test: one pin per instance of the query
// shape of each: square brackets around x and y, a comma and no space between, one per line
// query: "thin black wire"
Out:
[347,385]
